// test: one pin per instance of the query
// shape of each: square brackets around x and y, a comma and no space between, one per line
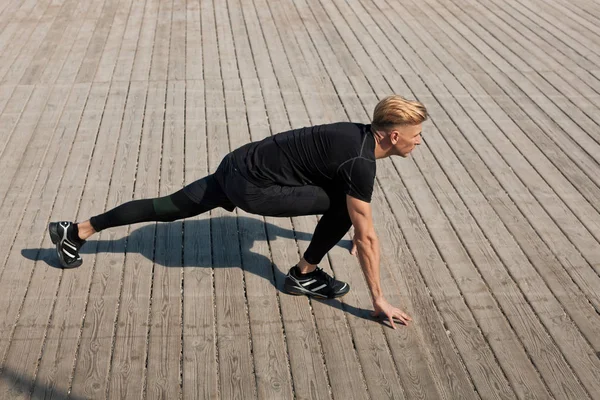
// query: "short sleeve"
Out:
[357,177]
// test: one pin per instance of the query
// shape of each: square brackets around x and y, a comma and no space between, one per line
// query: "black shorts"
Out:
[272,200]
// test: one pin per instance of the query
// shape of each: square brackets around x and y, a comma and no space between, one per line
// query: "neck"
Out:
[380,152]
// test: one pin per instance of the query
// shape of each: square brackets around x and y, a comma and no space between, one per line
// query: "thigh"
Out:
[206,194]
[278,201]
[289,201]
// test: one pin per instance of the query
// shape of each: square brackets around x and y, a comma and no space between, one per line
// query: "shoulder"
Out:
[344,128]
[350,136]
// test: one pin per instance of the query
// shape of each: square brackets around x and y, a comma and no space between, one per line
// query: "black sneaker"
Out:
[64,235]
[316,284]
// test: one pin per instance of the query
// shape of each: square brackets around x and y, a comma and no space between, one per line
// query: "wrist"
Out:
[378,299]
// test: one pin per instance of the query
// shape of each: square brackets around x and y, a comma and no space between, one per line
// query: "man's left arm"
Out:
[367,245]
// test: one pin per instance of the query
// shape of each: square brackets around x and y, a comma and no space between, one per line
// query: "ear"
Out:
[394,135]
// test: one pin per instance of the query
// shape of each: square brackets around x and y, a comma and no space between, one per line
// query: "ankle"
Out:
[305,268]
[84,230]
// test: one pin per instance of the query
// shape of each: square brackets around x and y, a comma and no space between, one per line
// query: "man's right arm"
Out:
[368,255]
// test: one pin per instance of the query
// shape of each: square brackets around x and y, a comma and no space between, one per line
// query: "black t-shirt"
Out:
[338,156]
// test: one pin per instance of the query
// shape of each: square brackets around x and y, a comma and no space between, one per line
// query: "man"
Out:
[325,169]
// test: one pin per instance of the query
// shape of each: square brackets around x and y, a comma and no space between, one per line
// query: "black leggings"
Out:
[228,189]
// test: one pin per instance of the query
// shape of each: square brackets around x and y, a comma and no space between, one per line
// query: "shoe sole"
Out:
[296,291]
[55,237]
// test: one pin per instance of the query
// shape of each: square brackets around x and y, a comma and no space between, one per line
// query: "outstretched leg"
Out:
[200,196]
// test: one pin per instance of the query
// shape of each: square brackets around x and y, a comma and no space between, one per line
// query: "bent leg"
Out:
[331,228]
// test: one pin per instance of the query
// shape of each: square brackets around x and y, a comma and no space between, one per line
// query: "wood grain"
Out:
[489,232]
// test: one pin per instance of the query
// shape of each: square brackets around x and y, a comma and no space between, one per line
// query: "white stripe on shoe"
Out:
[67,253]
[72,246]
[317,288]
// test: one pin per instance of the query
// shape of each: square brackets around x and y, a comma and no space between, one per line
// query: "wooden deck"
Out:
[490,232]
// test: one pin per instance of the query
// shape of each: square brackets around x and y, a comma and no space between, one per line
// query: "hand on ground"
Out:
[383,308]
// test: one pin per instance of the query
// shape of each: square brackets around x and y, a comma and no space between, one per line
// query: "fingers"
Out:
[401,316]
[393,314]
[391,319]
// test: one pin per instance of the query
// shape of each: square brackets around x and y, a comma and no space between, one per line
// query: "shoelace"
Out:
[328,278]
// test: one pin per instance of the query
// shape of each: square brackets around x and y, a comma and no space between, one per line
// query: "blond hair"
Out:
[396,110]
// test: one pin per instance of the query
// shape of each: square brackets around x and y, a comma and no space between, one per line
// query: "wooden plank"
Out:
[574,25]
[129,45]
[126,365]
[12,114]
[6,92]
[35,298]
[544,35]
[143,53]
[70,68]
[103,276]
[41,32]
[35,61]
[273,378]
[546,92]
[7,35]
[228,376]
[586,61]
[571,80]
[193,41]
[284,82]
[200,372]
[10,12]
[515,86]
[367,52]
[46,66]
[21,136]
[588,12]
[97,42]
[27,10]
[55,366]
[177,50]
[164,339]
[114,41]
[128,372]
[11,52]
[161,40]
[80,151]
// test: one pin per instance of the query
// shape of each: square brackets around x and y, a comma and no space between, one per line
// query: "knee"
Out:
[165,209]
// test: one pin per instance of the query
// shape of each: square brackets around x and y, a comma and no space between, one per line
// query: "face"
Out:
[404,139]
